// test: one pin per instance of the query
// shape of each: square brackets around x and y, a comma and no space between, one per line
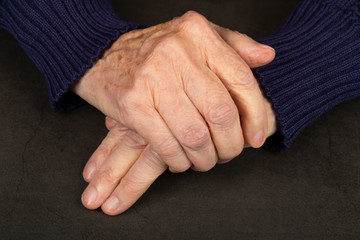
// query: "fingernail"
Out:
[112,204]
[90,171]
[259,137]
[267,47]
[90,196]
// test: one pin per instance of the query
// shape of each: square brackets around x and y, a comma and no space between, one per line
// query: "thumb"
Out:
[253,53]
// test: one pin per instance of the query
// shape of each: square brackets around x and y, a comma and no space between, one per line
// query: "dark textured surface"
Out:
[310,192]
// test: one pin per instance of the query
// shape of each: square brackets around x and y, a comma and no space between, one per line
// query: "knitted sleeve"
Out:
[317,65]
[63,38]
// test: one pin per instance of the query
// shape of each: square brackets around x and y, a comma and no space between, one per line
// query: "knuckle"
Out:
[167,148]
[242,35]
[130,186]
[193,17]
[245,78]
[101,153]
[109,123]
[118,129]
[127,102]
[205,165]
[226,155]
[230,154]
[195,137]
[222,113]
[153,160]
[109,175]
[180,168]
[224,160]
[204,168]
[134,140]
[168,43]
[193,21]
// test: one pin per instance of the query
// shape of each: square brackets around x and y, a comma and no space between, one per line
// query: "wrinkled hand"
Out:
[117,153]
[181,86]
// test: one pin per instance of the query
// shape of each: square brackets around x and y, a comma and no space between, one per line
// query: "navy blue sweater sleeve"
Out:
[317,65]
[63,38]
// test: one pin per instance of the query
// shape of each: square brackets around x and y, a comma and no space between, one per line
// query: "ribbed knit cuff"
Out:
[63,38]
[317,65]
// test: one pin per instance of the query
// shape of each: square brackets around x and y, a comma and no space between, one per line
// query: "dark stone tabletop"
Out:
[310,192]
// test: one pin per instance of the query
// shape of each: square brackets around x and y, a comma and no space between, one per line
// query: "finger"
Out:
[216,106]
[110,123]
[245,90]
[271,116]
[253,53]
[155,131]
[103,152]
[189,128]
[113,169]
[137,180]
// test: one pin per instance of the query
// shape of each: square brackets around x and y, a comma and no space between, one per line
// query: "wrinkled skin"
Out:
[176,93]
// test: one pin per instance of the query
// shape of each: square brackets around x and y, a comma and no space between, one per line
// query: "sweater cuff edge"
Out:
[63,100]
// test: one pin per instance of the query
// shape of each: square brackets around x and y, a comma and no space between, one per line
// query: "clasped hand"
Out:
[180,94]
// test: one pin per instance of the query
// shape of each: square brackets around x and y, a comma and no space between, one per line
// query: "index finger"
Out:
[137,180]
[253,53]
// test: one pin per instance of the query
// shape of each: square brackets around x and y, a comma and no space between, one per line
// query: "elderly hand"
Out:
[180,87]
[118,151]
